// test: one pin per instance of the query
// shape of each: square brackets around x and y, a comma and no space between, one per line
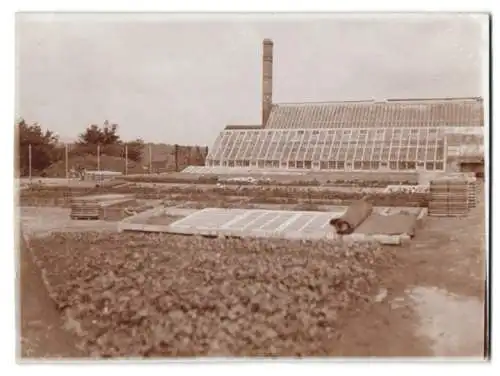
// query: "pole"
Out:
[150,158]
[176,152]
[29,161]
[66,160]
[126,159]
[98,158]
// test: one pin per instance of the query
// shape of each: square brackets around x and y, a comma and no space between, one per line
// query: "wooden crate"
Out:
[85,209]
[101,207]
[450,196]
[473,193]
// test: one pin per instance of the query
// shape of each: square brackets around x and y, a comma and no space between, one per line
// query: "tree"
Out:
[94,135]
[135,150]
[43,147]
[109,142]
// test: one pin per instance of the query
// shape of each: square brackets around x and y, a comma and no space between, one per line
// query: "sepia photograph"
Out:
[257,185]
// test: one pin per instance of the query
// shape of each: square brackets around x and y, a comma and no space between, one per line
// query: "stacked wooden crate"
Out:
[472,187]
[100,206]
[474,193]
[83,208]
[452,196]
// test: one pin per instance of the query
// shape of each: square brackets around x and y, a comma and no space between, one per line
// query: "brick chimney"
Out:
[267,79]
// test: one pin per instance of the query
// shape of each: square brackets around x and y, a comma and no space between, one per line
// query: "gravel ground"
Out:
[165,295]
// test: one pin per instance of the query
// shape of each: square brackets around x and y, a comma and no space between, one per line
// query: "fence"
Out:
[70,160]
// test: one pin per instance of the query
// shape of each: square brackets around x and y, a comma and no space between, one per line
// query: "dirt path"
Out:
[42,220]
[42,334]
[41,324]
[433,303]
[449,283]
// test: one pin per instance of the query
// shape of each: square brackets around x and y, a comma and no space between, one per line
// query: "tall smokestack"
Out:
[267,79]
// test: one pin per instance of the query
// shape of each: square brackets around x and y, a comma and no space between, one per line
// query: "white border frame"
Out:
[285,366]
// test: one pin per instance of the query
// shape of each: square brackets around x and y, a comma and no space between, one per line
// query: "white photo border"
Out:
[7,228]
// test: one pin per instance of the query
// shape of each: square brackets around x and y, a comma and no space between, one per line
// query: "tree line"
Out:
[46,148]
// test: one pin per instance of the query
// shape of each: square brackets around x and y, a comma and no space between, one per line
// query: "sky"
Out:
[173,78]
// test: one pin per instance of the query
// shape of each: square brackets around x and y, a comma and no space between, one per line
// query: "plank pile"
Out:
[100,206]
[85,209]
[474,193]
[452,195]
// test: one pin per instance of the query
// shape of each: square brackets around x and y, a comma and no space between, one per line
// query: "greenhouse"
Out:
[398,134]
[419,148]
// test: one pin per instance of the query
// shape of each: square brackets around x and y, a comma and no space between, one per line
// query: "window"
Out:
[366,165]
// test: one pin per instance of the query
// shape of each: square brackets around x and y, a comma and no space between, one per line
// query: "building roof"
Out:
[239,127]
[432,112]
